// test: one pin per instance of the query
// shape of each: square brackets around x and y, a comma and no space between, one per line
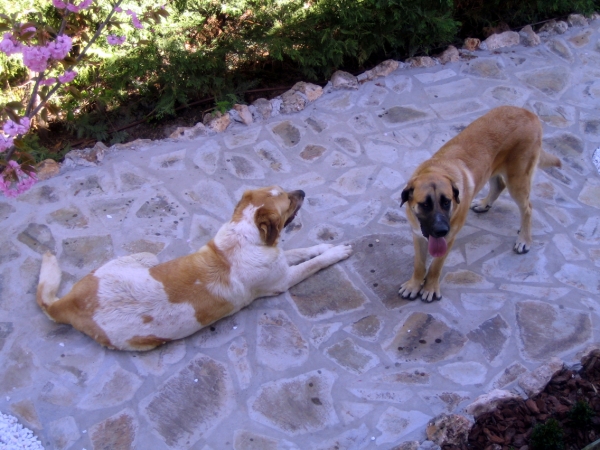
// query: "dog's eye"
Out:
[425,205]
[445,203]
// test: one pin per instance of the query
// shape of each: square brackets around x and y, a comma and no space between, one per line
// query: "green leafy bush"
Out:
[547,436]
[581,415]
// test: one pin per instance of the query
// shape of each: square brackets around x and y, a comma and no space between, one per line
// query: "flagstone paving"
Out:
[339,361]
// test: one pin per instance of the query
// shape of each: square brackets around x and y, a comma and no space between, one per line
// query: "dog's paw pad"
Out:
[479,208]
[521,248]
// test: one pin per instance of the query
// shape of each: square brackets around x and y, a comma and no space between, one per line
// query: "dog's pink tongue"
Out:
[437,246]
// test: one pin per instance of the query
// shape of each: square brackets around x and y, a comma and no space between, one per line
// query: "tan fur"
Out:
[502,147]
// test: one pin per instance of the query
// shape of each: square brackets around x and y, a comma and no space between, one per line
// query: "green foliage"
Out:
[581,415]
[547,436]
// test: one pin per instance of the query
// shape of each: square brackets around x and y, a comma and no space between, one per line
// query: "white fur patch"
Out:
[275,192]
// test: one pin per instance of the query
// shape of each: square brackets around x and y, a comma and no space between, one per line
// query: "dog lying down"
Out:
[135,303]
[501,148]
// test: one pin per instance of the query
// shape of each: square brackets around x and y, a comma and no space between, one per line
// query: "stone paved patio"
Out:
[340,361]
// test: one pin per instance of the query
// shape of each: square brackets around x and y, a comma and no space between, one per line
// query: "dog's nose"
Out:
[440,228]
[299,193]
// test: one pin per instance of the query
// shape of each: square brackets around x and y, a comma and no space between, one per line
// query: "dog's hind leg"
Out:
[496,186]
[298,255]
[49,281]
[519,187]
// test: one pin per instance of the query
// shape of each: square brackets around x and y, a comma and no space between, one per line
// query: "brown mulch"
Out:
[510,425]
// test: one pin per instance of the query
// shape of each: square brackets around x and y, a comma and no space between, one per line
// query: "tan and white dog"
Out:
[135,303]
[502,147]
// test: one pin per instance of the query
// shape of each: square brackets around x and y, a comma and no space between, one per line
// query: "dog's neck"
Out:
[242,232]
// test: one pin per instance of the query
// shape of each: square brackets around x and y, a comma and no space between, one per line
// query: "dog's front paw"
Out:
[430,293]
[321,248]
[339,252]
[480,207]
[521,247]
[409,290]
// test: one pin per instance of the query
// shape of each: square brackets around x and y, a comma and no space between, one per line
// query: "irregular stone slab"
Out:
[589,232]
[508,375]
[326,233]
[466,278]
[279,342]
[399,83]
[383,395]
[374,96]
[206,157]
[381,265]
[547,331]
[356,438]
[581,39]
[57,394]
[566,247]
[26,412]
[529,268]
[6,210]
[338,160]
[484,301]
[243,167]
[339,102]
[464,373]
[379,152]
[286,133]
[237,139]
[490,68]
[504,218]
[528,37]
[219,333]
[559,47]
[481,246]
[507,95]
[362,123]
[560,116]
[560,215]
[353,182]
[451,89]
[580,277]
[394,424]
[261,109]
[238,355]
[63,432]
[41,196]
[312,152]
[449,429]
[298,405]
[112,388]
[347,143]
[316,123]
[88,251]
[169,161]
[535,382]
[360,214]
[393,218]
[421,61]
[91,185]
[500,40]
[382,69]
[350,411]
[594,256]
[491,335]
[323,202]
[351,357]
[306,180]
[271,157]
[77,366]
[400,115]
[551,81]
[322,332]
[217,121]
[111,212]
[315,300]
[451,54]
[202,229]
[213,197]
[553,27]
[590,126]
[418,376]
[548,293]
[443,402]
[144,246]
[590,194]
[292,102]
[70,217]
[37,237]
[423,337]
[488,402]
[433,77]
[388,178]
[246,440]
[343,80]
[159,360]
[190,403]
[367,328]
[130,178]
[189,133]
[116,432]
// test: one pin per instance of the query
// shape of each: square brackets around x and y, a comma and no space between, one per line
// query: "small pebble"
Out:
[109,216]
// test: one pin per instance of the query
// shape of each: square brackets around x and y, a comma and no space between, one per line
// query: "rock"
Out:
[421,61]
[506,39]
[554,27]
[292,102]
[449,55]
[488,402]
[381,70]
[471,44]
[534,382]
[449,429]
[217,122]
[309,90]
[528,37]
[261,109]
[577,20]
[189,132]
[243,113]
[344,80]
[48,168]
[87,157]
[117,432]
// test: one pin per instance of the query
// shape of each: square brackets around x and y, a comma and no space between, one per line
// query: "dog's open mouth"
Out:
[437,246]
[291,218]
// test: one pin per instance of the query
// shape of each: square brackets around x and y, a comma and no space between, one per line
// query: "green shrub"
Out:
[547,436]
[581,415]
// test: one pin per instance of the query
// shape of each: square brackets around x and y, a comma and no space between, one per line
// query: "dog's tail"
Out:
[50,275]
[548,160]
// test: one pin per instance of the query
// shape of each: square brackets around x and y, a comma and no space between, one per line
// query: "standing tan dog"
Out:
[135,303]
[502,147]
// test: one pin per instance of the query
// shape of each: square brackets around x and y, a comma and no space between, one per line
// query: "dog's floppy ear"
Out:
[455,192]
[269,225]
[407,194]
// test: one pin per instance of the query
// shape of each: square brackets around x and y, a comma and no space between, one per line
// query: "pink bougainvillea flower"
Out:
[68,76]
[72,8]
[134,19]
[6,142]
[14,129]
[24,181]
[60,47]
[85,4]
[8,44]
[59,4]
[36,58]
[118,9]
[115,40]
[48,81]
